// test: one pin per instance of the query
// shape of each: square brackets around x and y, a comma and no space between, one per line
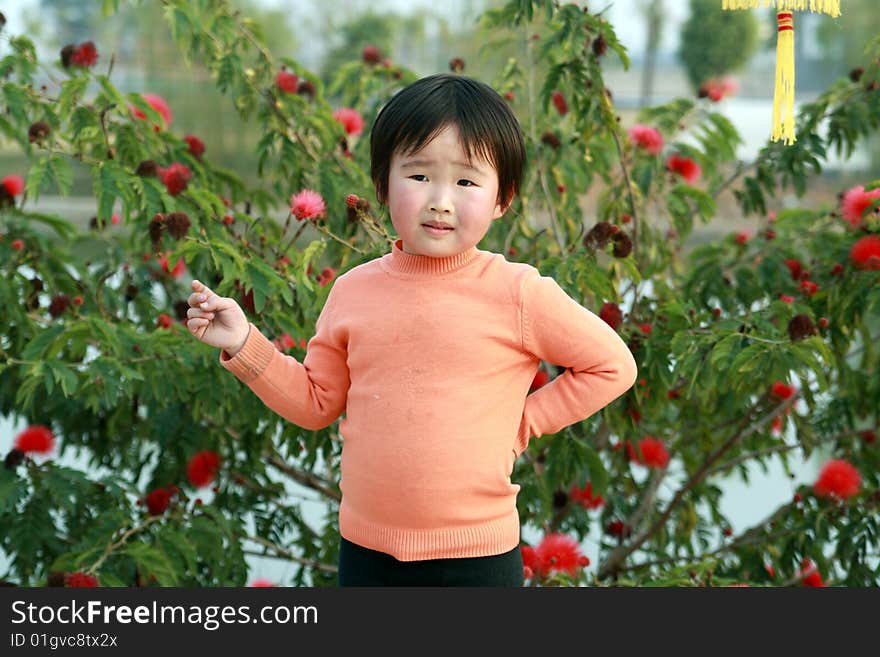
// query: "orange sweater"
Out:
[431,359]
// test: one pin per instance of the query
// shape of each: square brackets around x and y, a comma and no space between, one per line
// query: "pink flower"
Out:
[157,103]
[838,478]
[14,184]
[350,119]
[854,203]
[684,166]
[307,204]
[262,582]
[647,138]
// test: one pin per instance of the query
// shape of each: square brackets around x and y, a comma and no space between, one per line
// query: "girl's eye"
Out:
[419,177]
[465,183]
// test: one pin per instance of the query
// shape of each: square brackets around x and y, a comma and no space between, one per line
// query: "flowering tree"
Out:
[759,346]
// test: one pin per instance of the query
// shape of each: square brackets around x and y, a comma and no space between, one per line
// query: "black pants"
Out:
[360,566]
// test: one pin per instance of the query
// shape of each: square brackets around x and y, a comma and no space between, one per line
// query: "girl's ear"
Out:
[501,208]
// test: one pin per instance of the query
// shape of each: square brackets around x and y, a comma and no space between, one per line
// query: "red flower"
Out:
[809,287]
[202,468]
[287,82]
[585,497]
[196,145]
[85,55]
[541,379]
[782,390]
[717,89]
[684,166]
[17,245]
[157,103]
[371,55]
[164,320]
[776,426]
[350,119]
[307,204]
[865,253]
[786,298]
[327,274]
[810,574]
[653,453]
[178,267]
[647,138]
[742,237]
[611,314]
[530,559]
[555,553]
[175,177]
[617,528]
[647,329]
[854,203]
[795,267]
[36,438]
[559,102]
[868,436]
[80,580]
[158,501]
[14,184]
[837,478]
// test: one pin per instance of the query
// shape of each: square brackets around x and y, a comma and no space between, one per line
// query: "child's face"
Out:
[436,184]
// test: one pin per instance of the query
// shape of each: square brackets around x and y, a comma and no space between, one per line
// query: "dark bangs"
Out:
[488,128]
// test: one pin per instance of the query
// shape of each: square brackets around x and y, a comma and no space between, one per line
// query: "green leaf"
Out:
[64,376]
[12,489]
[72,90]
[152,561]
[723,350]
[36,348]
[598,475]
[312,252]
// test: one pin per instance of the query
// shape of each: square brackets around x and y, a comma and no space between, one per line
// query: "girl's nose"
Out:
[441,202]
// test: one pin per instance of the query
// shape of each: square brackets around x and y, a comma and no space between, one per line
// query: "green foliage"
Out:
[715,42]
[710,332]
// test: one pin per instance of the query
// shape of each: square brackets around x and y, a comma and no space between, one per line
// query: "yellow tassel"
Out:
[783,93]
[830,7]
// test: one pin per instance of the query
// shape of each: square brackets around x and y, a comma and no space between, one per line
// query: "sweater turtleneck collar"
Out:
[401,262]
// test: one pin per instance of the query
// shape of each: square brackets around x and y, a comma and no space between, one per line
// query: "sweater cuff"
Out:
[253,358]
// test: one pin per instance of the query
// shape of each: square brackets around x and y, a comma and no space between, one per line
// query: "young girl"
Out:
[430,351]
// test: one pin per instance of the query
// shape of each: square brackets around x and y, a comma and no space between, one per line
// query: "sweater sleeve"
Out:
[600,366]
[311,394]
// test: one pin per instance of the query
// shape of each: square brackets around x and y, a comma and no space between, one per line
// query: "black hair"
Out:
[487,127]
